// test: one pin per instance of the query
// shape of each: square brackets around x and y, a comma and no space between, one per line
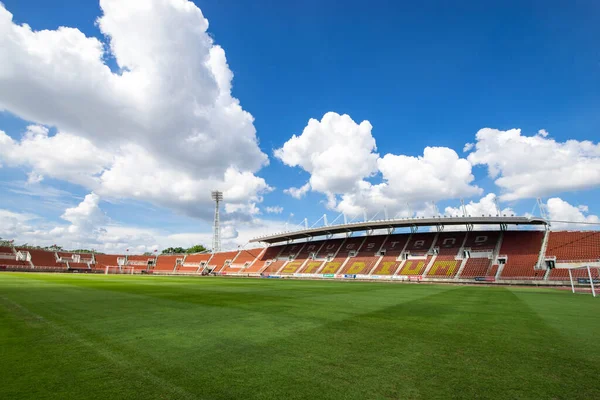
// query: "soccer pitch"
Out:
[144,337]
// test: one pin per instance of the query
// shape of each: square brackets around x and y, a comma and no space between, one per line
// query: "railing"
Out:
[24,256]
[577,261]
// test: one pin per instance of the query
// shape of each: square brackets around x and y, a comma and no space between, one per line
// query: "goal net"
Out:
[112,270]
[585,280]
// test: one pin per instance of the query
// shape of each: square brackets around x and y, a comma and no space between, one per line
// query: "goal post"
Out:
[111,269]
[584,276]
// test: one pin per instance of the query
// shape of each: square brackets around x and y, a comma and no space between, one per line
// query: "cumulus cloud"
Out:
[141,176]
[532,166]
[86,224]
[561,210]
[336,151]
[87,214]
[162,127]
[340,156]
[63,156]
[439,173]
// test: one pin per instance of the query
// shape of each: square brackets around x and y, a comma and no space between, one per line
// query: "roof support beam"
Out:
[391,225]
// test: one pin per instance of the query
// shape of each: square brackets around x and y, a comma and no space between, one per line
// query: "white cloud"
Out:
[439,174]
[336,151]
[61,156]
[247,209]
[143,177]
[89,227]
[560,210]
[298,193]
[13,224]
[485,206]
[163,128]
[340,156]
[229,232]
[34,178]
[86,223]
[87,213]
[274,210]
[531,166]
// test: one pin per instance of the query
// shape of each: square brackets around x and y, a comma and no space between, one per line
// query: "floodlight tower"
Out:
[217,197]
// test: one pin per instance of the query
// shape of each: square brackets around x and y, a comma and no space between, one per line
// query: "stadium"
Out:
[170,232]
[531,256]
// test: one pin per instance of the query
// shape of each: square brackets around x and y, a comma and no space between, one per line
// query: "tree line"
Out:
[180,250]
[198,248]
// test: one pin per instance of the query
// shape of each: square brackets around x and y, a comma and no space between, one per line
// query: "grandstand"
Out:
[139,263]
[568,250]
[306,256]
[479,254]
[168,263]
[243,259]
[389,253]
[519,255]
[263,260]
[193,263]
[75,261]
[220,261]
[41,260]
[10,259]
[448,257]
[107,262]
[337,261]
[328,255]
[461,256]
[365,258]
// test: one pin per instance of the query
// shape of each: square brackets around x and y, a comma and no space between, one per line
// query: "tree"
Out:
[173,250]
[196,249]
[85,251]
[180,250]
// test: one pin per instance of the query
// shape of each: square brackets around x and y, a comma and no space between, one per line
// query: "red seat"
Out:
[366,257]
[475,267]
[574,246]
[168,263]
[522,249]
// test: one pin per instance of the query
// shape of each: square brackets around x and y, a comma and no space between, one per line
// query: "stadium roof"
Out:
[398,223]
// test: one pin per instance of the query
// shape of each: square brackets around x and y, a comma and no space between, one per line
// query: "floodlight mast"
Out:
[217,197]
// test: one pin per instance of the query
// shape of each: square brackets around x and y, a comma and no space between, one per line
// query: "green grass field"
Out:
[143,337]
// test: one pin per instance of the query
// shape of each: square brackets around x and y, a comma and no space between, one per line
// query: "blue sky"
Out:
[423,74]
